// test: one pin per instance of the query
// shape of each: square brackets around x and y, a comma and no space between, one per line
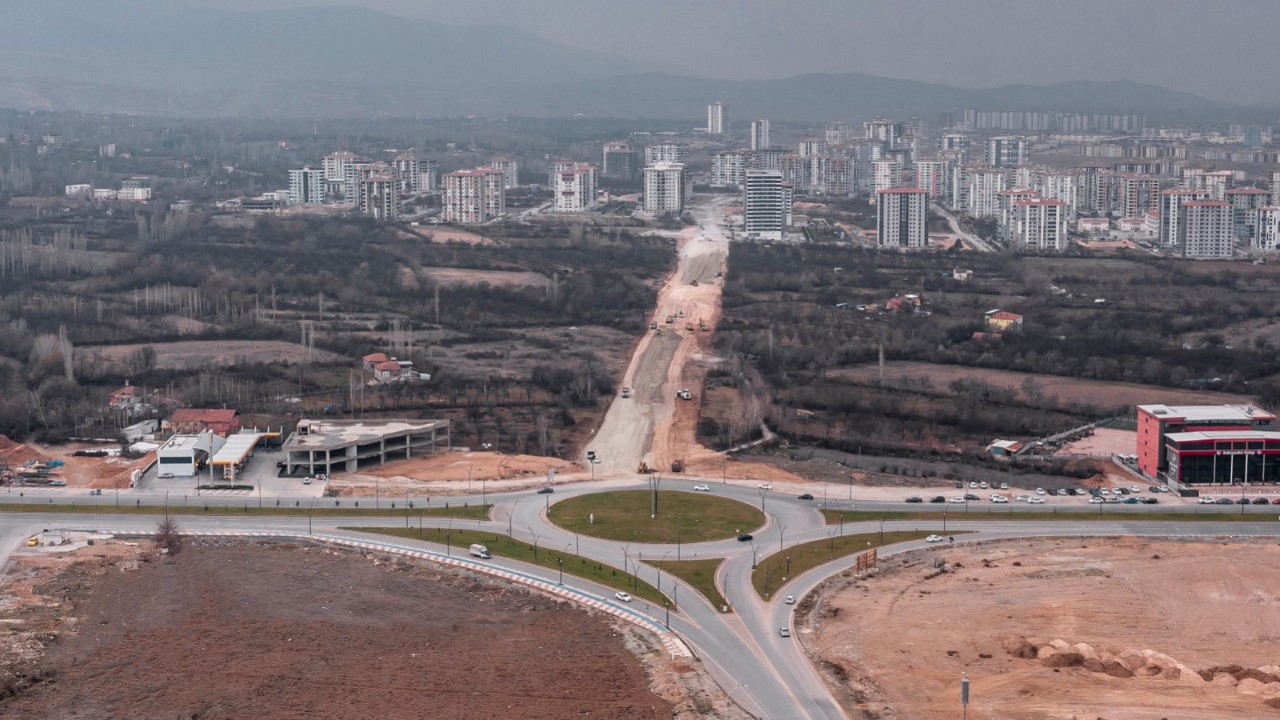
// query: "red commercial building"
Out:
[1222,457]
[1156,423]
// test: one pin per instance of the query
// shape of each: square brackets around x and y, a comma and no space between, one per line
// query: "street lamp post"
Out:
[561,561]
[763,493]
[781,529]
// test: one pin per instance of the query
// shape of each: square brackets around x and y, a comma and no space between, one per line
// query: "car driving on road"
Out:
[934,539]
[624,597]
[784,632]
[702,488]
[546,490]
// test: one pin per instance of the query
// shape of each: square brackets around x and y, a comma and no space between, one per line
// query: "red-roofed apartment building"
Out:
[190,421]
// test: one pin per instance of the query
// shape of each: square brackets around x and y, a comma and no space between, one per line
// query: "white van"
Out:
[479,551]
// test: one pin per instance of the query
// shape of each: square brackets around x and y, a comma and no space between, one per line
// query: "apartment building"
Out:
[931,176]
[1245,204]
[729,168]
[1206,229]
[983,194]
[335,165]
[766,205]
[902,217]
[884,174]
[1170,207]
[378,194]
[759,134]
[1138,194]
[1275,188]
[717,118]
[1040,225]
[1007,151]
[669,152]
[1008,214]
[1266,233]
[618,160]
[510,169]
[474,196]
[306,186]
[666,188]
[574,189]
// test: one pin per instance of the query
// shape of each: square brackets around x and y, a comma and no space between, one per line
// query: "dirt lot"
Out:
[81,472]
[276,631]
[195,354]
[447,473]
[1107,394]
[497,278]
[1103,442]
[901,640]
[444,234]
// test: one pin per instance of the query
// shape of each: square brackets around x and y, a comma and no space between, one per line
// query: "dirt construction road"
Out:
[653,425]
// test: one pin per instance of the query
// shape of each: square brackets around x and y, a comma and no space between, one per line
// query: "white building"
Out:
[135,190]
[574,189]
[416,175]
[669,152]
[766,205]
[378,195]
[759,134]
[1007,151]
[510,170]
[1245,203]
[882,131]
[474,196]
[717,118]
[1266,233]
[1206,230]
[1138,194]
[183,455]
[79,190]
[729,168]
[665,188]
[1040,225]
[336,164]
[1008,216]
[1217,183]
[1170,207]
[931,176]
[1064,186]
[811,147]
[1275,188]
[306,186]
[902,217]
[884,174]
[105,194]
[982,193]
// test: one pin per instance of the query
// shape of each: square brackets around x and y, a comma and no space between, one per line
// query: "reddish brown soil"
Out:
[232,631]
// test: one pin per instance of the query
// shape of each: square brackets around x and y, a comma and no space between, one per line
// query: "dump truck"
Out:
[677,466]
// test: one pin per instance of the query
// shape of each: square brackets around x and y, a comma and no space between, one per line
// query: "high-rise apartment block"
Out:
[668,152]
[1170,207]
[474,196]
[1040,225]
[1007,151]
[378,194]
[1245,203]
[1138,194]
[884,174]
[510,169]
[306,186]
[766,205]
[666,188]
[1266,233]
[931,176]
[729,168]
[717,118]
[574,189]
[618,161]
[415,175]
[760,134]
[982,191]
[902,217]
[336,165]
[1275,187]
[1206,229]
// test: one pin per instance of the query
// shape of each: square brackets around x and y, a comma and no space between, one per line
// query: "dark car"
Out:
[1276,501]
[546,490]
[970,496]
[959,485]
[744,537]
[1242,501]
[937,499]
[1151,501]
[1072,491]
[915,500]
[806,496]
[1131,501]
[1224,501]
[1261,501]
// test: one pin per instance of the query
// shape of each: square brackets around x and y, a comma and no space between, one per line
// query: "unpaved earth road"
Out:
[653,426]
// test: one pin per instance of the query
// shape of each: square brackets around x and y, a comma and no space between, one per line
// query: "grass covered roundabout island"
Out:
[682,517]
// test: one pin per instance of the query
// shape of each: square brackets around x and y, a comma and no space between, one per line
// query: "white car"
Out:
[624,597]
[1134,489]
[1036,500]
[1206,500]
[973,485]
[1096,500]
[765,486]
[1062,492]
[1104,491]
[1023,498]
[791,600]
[306,481]
[999,499]
[983,484]
[702,488]
[934,538]
[1004,486]
[1039,491]
[957,499]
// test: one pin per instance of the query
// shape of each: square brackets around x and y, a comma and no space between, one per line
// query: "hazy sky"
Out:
[1222,49]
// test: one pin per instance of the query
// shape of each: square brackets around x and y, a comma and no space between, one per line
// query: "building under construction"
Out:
[329,446]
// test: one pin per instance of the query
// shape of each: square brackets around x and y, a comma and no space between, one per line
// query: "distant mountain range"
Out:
[155,57]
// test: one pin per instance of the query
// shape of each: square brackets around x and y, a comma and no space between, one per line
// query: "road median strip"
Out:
[774,571]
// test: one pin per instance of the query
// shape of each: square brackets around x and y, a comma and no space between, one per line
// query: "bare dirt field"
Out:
[1103,442]
[1065,389]
[1150,630]
[448,472]
[280,631]
[443,234]
[195,354]
[496,278]
[78,472]
[515,358]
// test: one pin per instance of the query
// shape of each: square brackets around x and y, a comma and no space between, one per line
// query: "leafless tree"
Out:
[168,537]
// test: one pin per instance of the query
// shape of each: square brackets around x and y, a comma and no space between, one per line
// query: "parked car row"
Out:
[1208,500]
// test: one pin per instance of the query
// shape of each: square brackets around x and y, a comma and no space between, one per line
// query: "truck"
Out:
[479,551]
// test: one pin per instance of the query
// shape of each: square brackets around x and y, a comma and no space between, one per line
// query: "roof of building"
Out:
[387,365]
[375,357]
[181,442]
[1247,191]
[1004,315]
[903,191]
[1184,191]
[1223,435]
[1207,412]
[198,415]
[127,391]
[236,449]
[333,434]
[1206,203]
[1039,202]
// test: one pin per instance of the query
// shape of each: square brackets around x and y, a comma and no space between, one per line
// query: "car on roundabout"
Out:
[914,499]
[745,537]
[806,496]
[546,490]
[784,632]
[938,499]
[791,600]
[765,486]
[702,488]
[957,499]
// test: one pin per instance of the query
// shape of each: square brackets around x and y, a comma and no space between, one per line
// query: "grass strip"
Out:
[624,515]
[773,572]
[701,574]
[501,545]
[472,512]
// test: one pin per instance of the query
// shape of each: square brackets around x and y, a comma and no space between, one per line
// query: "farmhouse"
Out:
[1003,321]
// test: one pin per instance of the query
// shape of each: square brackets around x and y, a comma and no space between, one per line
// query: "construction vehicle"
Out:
[671,319]
[684,394]
[677,466]
[702,326]
[694,283]
[626,392]
[644,468]
[688,326]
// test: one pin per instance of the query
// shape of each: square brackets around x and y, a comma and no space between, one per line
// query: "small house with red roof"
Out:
[1000,321]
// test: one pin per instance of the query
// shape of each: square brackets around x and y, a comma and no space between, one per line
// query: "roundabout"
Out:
[682,517]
